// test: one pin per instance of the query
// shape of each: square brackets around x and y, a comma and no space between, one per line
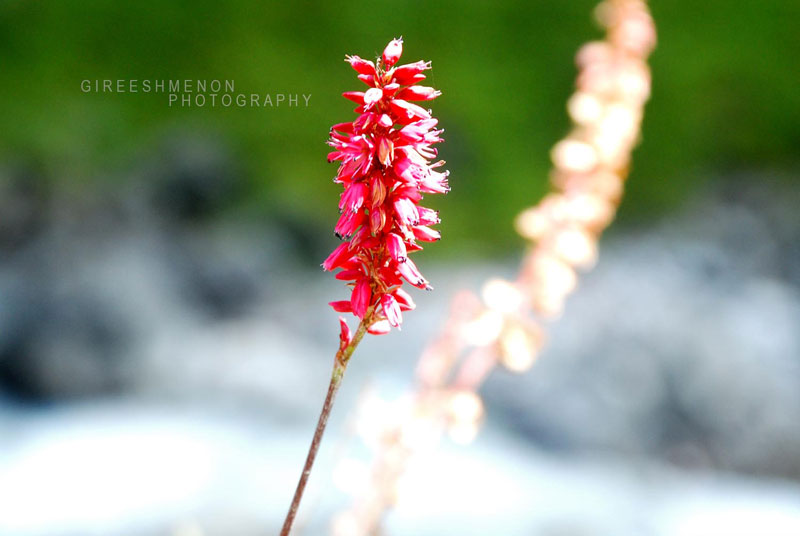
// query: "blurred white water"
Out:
[127,469]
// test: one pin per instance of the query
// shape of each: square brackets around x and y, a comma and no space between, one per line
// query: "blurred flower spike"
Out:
[386,165]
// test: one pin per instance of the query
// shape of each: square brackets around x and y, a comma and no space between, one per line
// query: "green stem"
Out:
[339,367]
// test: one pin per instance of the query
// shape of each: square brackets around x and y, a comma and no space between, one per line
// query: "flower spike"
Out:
[385,166]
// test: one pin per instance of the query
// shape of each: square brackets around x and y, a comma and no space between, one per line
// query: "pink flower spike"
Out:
[385,159]
[382,172]
[393,51]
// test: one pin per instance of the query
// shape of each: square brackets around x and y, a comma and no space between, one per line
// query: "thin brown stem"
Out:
[339,367]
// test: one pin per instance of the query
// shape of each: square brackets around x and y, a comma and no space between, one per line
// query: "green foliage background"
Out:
[726,95]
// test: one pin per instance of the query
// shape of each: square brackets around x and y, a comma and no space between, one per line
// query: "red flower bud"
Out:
[418,93]
[393,51]
[345,337]
[396,247]
[362,296]
[341,306]
[364,67]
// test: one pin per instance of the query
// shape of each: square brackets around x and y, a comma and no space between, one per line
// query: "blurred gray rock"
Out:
[24,204]
[87,280]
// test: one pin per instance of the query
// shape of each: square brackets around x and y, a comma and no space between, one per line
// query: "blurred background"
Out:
[164,339]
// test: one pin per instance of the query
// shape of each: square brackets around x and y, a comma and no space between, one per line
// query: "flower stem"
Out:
[339,367]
